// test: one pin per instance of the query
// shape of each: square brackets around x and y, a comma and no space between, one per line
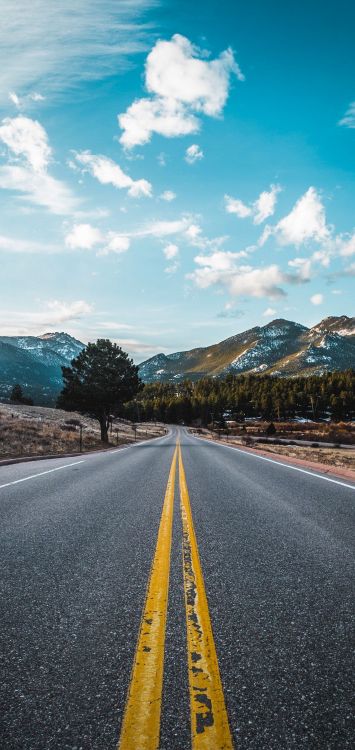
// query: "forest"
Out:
[329,396]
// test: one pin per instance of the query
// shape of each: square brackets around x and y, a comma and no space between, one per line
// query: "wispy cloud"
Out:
[52,46]
[29,155]
[52,314]
[263,207]
[348,121]
[107,172]
[19,245]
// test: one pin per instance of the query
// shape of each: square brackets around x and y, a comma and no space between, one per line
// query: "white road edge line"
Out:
[279,463]
[41,473]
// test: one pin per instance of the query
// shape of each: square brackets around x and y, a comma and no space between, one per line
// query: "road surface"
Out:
[246,590]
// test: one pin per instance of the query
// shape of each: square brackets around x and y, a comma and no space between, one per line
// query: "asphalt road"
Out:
[77,541]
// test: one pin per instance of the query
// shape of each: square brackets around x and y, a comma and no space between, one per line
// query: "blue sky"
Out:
[171,178]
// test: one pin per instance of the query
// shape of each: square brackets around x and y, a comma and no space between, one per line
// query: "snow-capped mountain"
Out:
[278,348]
[35,362]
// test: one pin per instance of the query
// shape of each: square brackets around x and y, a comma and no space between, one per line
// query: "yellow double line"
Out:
[209,721]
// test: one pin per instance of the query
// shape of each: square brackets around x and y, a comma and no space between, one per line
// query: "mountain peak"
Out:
[281,347]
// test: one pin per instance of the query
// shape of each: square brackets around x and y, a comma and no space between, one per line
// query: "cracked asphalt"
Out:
[277,554]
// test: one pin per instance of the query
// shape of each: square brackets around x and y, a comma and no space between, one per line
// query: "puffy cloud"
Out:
[162,116]
[168,195]
[193,153]
[348,121]
[221,268]
[83,236]
[107,172]
[269,312]
[235,206]
[115,243]
[171,251]
[182,82]
[306,221]
[303,267]
[39,188]
[317,299]
[27,138]
[261,209]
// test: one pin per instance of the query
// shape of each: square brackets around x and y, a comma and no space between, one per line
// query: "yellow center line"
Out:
[141,720]
[209,721]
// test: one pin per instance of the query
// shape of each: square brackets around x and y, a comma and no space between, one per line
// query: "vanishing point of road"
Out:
[175,595]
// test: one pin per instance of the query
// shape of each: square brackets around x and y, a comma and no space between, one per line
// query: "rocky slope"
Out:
[279,348]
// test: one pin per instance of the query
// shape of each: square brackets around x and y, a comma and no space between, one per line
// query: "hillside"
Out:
[35,362]
[279,348]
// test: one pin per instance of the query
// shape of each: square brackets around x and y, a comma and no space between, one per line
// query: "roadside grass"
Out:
[327,455]
[36,430]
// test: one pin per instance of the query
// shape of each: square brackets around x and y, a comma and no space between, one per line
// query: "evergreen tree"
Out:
[99,380]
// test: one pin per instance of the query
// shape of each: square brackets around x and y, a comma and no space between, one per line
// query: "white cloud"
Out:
[235,206]
[261,209]
[317,299]
[20,103]
[107,172]
[303,267]
[193,153]
[269,312]
[171,251]
[346,245]
[115,243]
[60,312]
[168,195]
[265,205]
[55,313]
[18,245]
[173,267]
[83,236]
[348,121]
[55,45]
[39,188]
[164,228]
[26,171]
[162,116]
[182,82]
[221,268]
[27,138]
[14,98]
[306,221]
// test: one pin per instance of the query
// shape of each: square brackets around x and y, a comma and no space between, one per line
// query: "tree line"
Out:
[238,397]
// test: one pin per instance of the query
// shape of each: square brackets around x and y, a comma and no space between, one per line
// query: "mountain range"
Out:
[281,347]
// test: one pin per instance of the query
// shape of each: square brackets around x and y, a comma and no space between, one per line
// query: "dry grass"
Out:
[36,430]
[341,457]
[336,457]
